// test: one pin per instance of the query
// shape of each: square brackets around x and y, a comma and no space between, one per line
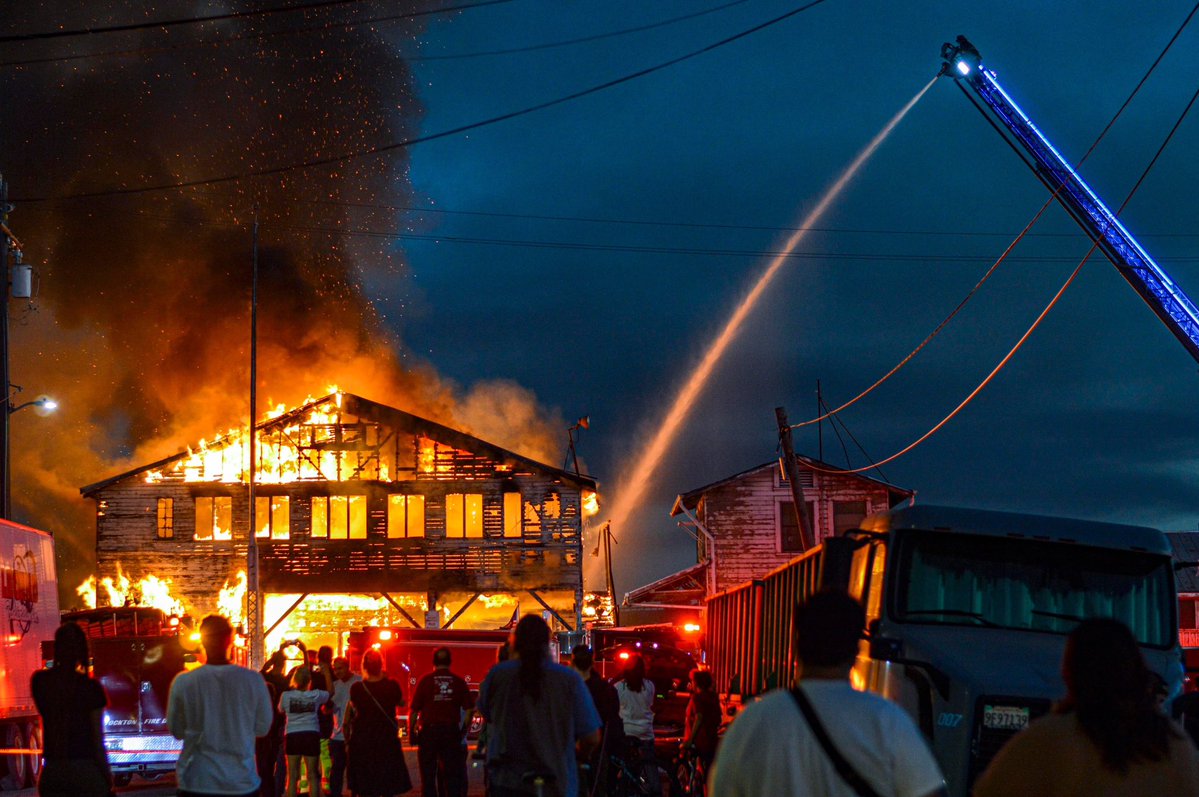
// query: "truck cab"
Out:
[968,611]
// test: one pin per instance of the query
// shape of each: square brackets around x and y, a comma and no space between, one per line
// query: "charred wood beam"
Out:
[401,610]
[283,616]
[465,606]
[550,609]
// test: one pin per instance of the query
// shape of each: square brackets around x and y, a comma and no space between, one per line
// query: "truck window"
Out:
[947,578]
[874,597]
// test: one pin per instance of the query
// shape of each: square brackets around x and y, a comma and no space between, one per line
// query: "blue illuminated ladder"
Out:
[1171,304]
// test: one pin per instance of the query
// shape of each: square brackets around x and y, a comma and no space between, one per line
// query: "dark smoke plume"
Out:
[142,324]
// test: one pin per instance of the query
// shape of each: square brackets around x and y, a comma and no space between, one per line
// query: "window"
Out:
[464,515]
[339,517]
[214,517]
[272,517]
[405,516]
[512,515]
[166,518]
[790,539]
[848,515]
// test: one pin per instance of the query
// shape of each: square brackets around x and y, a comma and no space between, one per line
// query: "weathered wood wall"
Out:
[744,518]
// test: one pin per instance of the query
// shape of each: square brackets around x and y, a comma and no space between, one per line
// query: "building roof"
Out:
[684,588]
[1186,549]
[690,500]
[388,416]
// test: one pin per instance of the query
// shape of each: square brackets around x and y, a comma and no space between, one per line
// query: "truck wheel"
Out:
[14,765]
[122,779]
[33,733]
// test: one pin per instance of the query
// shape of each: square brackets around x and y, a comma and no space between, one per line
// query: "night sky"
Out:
[579,259]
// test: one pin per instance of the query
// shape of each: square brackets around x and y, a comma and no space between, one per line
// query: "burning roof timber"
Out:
[324,409]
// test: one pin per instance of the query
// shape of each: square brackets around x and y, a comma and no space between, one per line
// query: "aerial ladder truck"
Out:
[1164,297]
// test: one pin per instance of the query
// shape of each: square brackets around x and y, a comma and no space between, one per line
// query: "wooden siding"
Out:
[743,517]
[548,555]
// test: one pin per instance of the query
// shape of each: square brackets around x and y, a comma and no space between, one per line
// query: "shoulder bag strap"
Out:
[382,710]
[845,769]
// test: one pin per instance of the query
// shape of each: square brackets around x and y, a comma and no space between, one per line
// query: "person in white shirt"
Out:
[302,733]
[770,749]
[218,710]
[343,679]
[636,693]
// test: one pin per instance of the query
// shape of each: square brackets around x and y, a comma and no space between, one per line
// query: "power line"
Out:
[1007,252]
[1053,302]
[333,25]
[580,40]
[376,20]
[169,23]
[329,161]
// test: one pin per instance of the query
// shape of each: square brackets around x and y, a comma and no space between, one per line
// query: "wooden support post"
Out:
[806,537]
[401,610]
[465,606]
[550,609]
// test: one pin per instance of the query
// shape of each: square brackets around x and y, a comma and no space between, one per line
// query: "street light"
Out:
[47,405]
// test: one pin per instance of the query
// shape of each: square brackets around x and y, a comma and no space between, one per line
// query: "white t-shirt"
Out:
[636,709]
[300,709]
[770,751]
[218,710]
[341,697]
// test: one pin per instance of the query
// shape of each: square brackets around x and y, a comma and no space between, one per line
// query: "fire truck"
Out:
[408,654]
[28,616]
[136,652]
[967,616]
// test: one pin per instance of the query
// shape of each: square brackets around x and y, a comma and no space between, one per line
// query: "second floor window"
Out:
[272,517]
[405,516]
[464,515]
[214,517]
[166,518]
[339,517]
[790,540]
[512,515]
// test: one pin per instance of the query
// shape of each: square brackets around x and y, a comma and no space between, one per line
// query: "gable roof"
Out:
[388,416]
[687,586]
[691,499]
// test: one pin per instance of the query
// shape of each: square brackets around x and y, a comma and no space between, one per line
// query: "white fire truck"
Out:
[28,616]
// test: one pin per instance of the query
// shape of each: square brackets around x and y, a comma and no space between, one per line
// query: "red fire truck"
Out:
[28,616]
[408,653]
[136,652]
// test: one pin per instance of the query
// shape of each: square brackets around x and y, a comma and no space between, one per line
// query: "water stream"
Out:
[632,490]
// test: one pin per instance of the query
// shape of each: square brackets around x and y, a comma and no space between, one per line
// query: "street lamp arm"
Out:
[46,403]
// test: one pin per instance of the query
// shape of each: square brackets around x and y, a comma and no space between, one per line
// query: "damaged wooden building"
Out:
[353,498]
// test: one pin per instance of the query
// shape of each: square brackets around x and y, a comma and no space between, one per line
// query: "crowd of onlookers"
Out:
[556,731]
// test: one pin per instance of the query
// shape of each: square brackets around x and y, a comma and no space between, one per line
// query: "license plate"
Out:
[1005,718]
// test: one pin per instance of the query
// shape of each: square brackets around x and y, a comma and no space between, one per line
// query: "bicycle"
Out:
[691,773]
[630,778]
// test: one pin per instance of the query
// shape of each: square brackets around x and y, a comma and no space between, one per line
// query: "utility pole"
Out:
[806,538]
[253,589]
[5,238]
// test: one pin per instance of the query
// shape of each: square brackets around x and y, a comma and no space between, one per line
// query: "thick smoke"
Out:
[141,328]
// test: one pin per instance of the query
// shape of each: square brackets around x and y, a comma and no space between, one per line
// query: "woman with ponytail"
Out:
[1108,736]
[538,713]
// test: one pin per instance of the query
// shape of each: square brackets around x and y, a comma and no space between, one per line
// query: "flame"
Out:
[149,591]
[231,599]
[590,503]
[87,591]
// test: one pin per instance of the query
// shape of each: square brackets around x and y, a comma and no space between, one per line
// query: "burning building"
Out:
[359,509]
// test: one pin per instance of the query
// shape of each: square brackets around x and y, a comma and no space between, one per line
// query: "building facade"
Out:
[351,497]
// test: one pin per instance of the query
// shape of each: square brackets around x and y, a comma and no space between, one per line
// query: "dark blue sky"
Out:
[1095,417]
[590,252]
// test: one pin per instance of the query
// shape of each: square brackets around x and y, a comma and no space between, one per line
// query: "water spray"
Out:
[633,489]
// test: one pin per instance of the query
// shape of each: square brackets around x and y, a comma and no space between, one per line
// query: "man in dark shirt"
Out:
[607,704]
[441,710]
